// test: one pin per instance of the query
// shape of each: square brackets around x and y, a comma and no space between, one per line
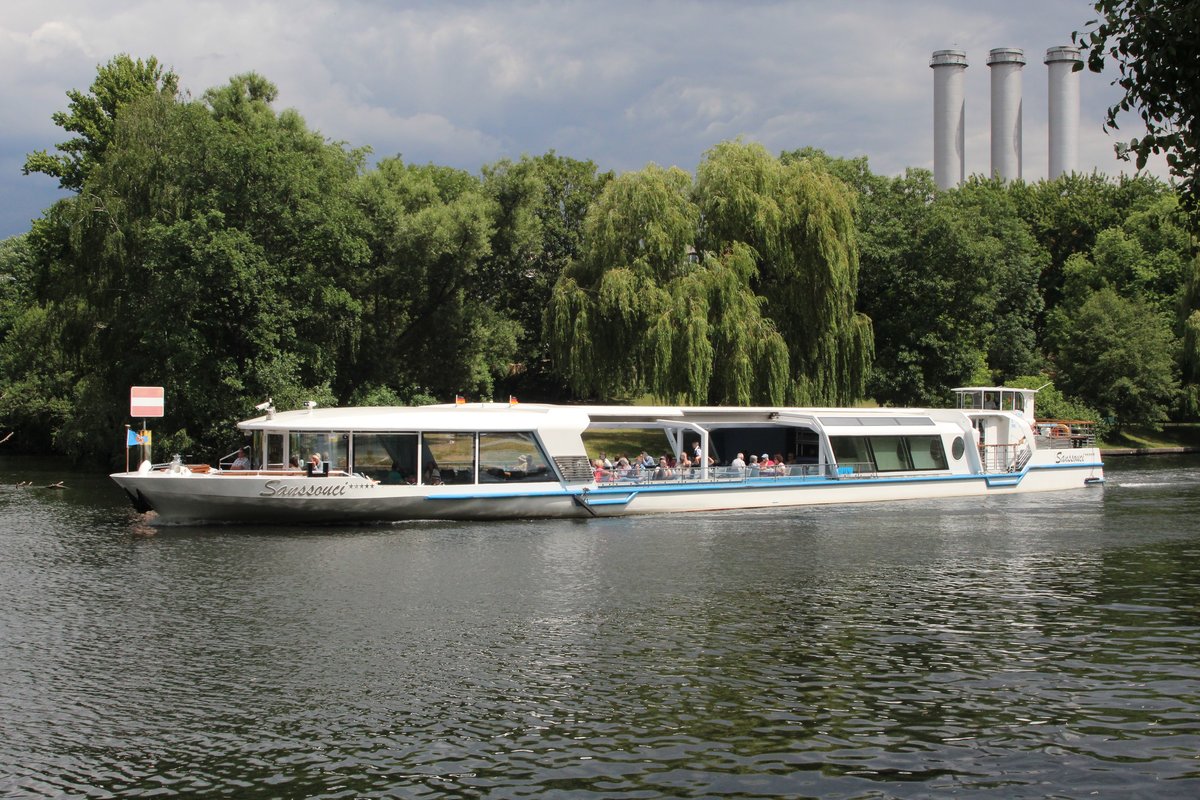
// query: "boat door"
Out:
[274,451]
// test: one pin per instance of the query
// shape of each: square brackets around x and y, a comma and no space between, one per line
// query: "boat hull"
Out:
[230,497]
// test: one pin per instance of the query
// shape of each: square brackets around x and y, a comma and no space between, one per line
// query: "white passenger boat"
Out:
[517,460]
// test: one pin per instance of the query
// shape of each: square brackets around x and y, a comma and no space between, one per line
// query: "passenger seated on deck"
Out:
[599,472]
[316,466]
[739,463]
[753,469]
[241,462]
[294,461]
[664,470]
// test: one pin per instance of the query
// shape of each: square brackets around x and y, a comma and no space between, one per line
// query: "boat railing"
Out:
[853,469]
[1005,458]
[1065,434]
[790,472]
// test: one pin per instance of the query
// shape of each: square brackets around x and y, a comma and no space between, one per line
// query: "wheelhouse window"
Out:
[448,458]
[389,458]
[505,457]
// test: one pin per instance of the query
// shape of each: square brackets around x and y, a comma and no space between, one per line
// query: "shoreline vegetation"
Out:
[1180,438]
[223,250]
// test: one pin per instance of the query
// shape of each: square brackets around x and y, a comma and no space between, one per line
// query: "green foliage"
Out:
[423,320]
[1155,47]
[738,288]
[950,280]
[1120,355]
[1065,215]
[93,117]
[541,203]
[227,252]
[798,219]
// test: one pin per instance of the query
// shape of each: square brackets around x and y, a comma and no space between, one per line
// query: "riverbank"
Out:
[1108,452]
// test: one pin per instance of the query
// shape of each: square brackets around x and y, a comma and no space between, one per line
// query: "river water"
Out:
[1029,646]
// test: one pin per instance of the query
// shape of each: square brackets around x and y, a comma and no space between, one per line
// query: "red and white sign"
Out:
[145,401]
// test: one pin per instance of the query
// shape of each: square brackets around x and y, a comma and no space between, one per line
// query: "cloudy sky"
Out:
[622,83]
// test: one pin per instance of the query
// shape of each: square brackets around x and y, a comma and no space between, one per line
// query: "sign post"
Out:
[144,402]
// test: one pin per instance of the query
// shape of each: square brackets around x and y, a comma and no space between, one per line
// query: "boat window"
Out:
[386,457]
[448,458]
[511,457]
[274,451]
[334,448]
[959,448]
[927,452]
[891,454]
[851,451]
[845,422]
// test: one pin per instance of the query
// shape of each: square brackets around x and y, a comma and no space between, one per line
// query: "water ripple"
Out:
[1011,647]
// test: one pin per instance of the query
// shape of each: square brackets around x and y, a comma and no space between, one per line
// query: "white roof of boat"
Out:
[529,416]
[472,416]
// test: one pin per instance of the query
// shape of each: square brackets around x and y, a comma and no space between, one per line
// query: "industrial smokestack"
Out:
[1063,109]
[1006,64]
[949,113]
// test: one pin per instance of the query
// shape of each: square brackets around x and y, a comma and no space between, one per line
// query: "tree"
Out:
[35,383]
[93,116]
[541,204]
[209,252]
[1121,356]
[641,311]
[797,218]
[1155,47]
[424,323]
[738,287]
[950,282]
[1065,215]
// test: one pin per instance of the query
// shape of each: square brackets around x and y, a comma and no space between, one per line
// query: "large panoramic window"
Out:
[511,457]
[386,457]
[448,458]
[889,453]
[927,452]
[851,452]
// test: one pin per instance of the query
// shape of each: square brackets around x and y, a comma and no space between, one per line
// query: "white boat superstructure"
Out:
[516,460]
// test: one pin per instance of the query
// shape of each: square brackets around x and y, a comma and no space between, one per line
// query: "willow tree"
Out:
[642,311]
[798,219]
